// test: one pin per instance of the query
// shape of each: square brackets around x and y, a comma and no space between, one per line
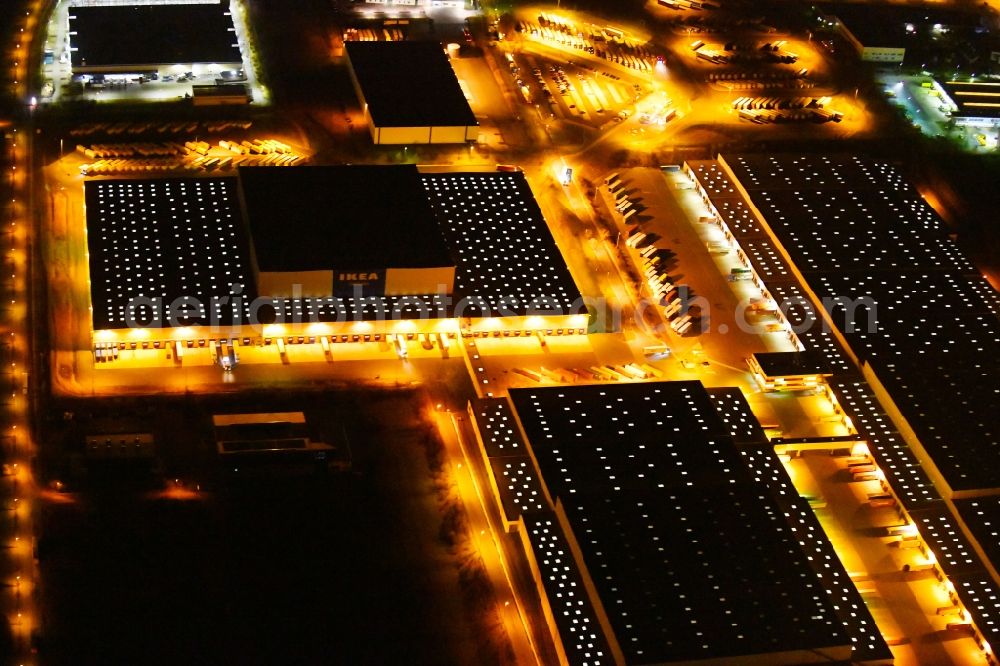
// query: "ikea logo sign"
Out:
[347,283]
[357,277]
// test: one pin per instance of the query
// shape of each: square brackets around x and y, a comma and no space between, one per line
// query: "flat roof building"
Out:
[882,33]
[863,271]
[172,240]
[169,253]
[332,229]
[790,371]
[904,299]
[978,102]
[275,441]
[142,37]
[409,93]
[652,469]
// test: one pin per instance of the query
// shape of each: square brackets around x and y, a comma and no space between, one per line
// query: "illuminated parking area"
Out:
[576,34]
[634,465]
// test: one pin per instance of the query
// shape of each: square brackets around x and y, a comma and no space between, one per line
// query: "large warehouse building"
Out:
[336,234]
[863,271]
[304,253]
[409,93]
[926,319]
[646,529]
[138,37]
[881,33]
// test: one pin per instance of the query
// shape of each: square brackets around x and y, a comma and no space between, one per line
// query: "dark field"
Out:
[347,568]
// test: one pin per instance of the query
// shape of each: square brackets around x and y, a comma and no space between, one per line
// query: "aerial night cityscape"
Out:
[500,332]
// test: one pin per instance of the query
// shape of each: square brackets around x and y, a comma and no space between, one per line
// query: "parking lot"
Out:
[147,158]
[573,67]
[602,42]
[147,148]
[786,109]
[751,60]
[574,90]
[753,75]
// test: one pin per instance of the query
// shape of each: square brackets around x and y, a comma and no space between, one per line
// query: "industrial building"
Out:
[282,442]
[882,33]
[135,37]
[863,272]
[653,469]
[409,93]
[329,230]
[789,371]
[975,103]
[919,317]
[882,42]
[321,254]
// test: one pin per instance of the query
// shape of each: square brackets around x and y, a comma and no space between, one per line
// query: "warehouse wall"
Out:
[310,283]
[402,135]
[410,281]
[421,135]
[448,134]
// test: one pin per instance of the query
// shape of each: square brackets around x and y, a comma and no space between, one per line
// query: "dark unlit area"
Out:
[365,566]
